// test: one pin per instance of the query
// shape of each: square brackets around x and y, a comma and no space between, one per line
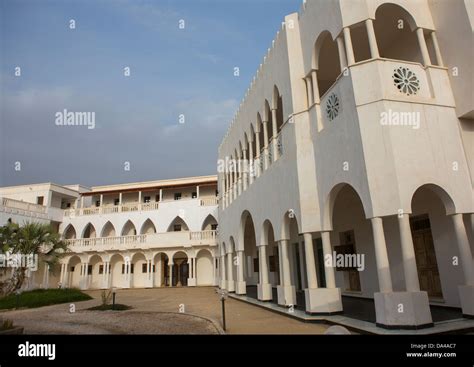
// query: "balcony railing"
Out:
[208,201]
[142,241]
[22,205]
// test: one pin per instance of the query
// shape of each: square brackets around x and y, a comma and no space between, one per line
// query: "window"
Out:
[131,268]
[177,228]
[72,269]
[68,205]
[144,267]
[116,201]
[97,203]
[153,268]
[89,269]
[39,200]
[146,199]
[255,265]
[157,198]
[217,192]
[194,195]
[123,268]
[177,196]
[214,227]
[101,269]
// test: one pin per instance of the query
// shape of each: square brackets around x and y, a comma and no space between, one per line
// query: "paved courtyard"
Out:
[160,311]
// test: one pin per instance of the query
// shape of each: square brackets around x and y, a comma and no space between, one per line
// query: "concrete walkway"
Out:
[159,311]
[241,318]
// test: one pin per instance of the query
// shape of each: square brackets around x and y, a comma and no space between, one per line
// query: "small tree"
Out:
[29,239]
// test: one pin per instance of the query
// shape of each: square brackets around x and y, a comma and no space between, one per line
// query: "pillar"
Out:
[310,263]
[170,274]
[265,143]
[412,283]
[381,257]
[61,276]
[348,44]
[241,285]
[264,288]
[439,58]
[286,291]
[342,53]
[327,251]
[309,91]
[230,273]
[274,133]
[424,50]
[464,249]
[304,283]
[314,82]
[223,273]
[374,50]
[251,163]
[258,148]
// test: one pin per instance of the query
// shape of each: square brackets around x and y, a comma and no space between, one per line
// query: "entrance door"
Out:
[425,255]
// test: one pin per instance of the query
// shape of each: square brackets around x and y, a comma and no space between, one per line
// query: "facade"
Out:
[147,234]
[355,141]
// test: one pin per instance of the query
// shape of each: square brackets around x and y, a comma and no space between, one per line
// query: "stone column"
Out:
[304,283]
[230,273]
[286,291]
[245,169]
[327,251]
[348,44]
[424,50]
[274,133]
[412,283]
[257,147]
[309,91]
[439,58]
[264,287]
[342,53]
[241,285]
[265,143]
[170,274]
[464,249]
[223,273]
[310,263]
[374,50]
[251,162]
[381,257]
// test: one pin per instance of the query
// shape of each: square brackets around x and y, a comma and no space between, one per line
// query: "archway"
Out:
[129,229]
[177,225]
[161,265]
[89,231]
[180,269]
[210,223]
[108,230]
[433,238]
[395,33]
[74,272]
[251,260]
[117,266]
[96,269]
[69,232]
[148,227]
[140,270]
[204,268]
[326,59]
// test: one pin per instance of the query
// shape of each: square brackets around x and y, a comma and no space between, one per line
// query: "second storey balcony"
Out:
[143,241]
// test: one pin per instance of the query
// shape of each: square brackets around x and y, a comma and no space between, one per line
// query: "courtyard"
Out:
[179,310]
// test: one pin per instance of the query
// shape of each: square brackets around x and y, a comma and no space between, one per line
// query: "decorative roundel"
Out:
[332,106]
[406,81]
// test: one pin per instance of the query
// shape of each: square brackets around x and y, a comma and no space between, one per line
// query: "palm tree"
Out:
[30,239]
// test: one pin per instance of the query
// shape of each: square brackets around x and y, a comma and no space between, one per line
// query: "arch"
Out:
[74,271]
[248,243]
[161,263]
[128,229]
[148,227]
[89,231]
[69,232]
[329,204]
[204,268]
[181,269]
[108,230]
[449,206]
[395,40]
[326,61]
[116,267]
[208,223]
[177,225]
[95,262]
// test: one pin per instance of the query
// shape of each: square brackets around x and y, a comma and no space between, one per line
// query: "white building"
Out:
[359,131]
[147,234]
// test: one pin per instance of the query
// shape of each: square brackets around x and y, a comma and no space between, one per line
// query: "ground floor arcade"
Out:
[407,266]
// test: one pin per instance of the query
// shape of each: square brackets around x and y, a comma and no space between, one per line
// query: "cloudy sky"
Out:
[173,72]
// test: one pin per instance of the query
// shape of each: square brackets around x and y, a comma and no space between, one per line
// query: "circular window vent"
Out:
[332,106]
[406,81]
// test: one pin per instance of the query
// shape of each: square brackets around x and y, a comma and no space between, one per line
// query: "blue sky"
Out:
[173,71]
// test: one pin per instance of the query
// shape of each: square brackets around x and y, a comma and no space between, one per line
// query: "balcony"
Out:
[142,241]
[23,208]
[132,207]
